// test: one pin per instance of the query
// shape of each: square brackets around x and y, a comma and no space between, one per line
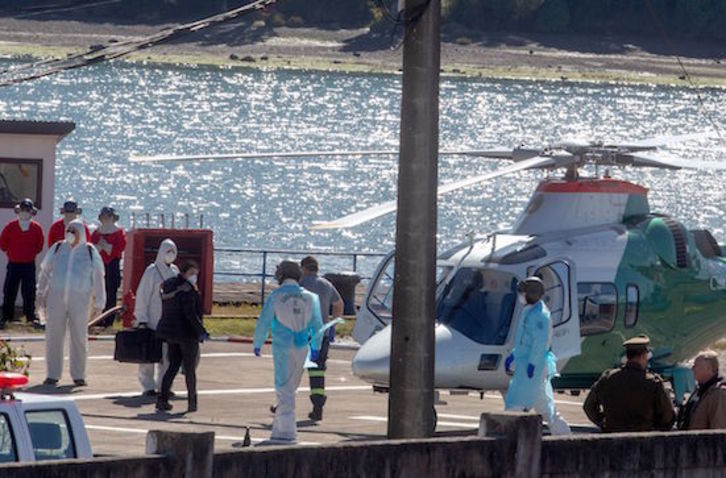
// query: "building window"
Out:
[598,303]
[20,179]
[632,294]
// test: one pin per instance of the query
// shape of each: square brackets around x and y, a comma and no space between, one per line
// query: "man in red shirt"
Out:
[57,231]
[110,240]
[21,240]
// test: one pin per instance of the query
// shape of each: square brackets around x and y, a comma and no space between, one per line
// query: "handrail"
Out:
[263,275]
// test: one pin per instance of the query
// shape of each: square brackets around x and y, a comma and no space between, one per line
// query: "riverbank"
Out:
[257,45]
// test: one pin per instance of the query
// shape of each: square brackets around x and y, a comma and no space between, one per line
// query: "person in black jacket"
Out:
[181,328]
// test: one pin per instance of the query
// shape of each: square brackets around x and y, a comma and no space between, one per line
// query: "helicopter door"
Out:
[560,284]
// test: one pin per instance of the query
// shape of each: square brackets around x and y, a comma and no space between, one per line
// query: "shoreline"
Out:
[354,51]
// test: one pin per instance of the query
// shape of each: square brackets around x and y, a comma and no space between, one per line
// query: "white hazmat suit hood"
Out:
[70,283]
[147,310]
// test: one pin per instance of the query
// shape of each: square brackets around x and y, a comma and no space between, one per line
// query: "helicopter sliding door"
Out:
[560,284]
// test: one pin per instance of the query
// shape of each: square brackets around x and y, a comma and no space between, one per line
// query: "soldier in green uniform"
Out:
[630,398]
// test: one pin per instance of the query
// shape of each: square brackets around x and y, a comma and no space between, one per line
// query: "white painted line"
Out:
[458,417]
[205,355]
[232,391]
[143,431]
[372,418]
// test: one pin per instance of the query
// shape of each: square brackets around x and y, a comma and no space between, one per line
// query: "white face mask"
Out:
[170,257]
[24,216]
[521,298]
[192,279]
[70,237]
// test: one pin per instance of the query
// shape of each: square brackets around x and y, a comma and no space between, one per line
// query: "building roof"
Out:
[57,128]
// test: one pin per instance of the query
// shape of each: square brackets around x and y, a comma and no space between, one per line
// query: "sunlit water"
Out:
[122,109]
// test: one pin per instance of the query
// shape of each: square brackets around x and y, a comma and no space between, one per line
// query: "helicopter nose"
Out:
[372,362]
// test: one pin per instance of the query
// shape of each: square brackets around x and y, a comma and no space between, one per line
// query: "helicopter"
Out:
[612,269]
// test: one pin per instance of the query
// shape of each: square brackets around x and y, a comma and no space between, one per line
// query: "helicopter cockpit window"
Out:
[598,304]
[632,294]
[479,304]
[380,301]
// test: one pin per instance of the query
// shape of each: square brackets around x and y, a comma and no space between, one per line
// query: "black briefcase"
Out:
[137,346]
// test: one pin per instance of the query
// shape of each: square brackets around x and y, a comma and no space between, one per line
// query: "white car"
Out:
[38,427]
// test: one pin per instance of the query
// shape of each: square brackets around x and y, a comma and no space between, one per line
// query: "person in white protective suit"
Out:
[70,285]
[293,315]
[147,311]
[534,362]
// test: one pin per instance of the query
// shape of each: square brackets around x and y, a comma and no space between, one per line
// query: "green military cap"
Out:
[638,342]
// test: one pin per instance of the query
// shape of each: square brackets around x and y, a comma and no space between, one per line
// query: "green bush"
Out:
[13,359]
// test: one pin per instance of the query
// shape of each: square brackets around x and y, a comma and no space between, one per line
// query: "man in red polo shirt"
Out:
[57,231]
[21,240]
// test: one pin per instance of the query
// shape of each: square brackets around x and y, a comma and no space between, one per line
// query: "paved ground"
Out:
[235,391]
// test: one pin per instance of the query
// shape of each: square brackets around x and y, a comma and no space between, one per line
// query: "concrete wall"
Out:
[677,454]
[686,454]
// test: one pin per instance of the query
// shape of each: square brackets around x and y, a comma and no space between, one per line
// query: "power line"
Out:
[686,75]
[110,51]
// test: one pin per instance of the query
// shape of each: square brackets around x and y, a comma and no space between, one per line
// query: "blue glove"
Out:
[314,355]
[205,336]
[508,363]
[257,351]
[530,370]
[331,334]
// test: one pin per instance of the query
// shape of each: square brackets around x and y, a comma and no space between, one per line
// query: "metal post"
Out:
[172,220]
[186,220]
[355,262]
[148,220]
[411,398]
[163,222]
[133,220]
[264,275]
[201,221]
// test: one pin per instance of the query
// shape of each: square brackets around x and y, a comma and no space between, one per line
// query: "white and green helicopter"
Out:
[612,269]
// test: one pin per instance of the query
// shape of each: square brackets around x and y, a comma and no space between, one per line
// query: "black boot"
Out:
[162,404]
[192,403]
[317,414]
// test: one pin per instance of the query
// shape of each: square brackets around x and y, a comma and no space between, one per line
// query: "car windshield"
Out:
[479,304]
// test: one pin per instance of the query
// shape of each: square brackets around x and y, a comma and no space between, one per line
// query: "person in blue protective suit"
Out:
[71,285]
[533,361]
[292,314]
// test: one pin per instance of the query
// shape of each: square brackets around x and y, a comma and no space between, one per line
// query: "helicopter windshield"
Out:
[479,304]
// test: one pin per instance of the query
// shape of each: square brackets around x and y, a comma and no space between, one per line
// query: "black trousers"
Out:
[22,275]
[113,282]
[182,353]
[317,375]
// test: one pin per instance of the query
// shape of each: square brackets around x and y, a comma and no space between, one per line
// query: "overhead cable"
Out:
[686,75]
[110,51]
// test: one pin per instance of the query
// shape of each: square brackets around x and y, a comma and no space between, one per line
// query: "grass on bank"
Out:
[361,65]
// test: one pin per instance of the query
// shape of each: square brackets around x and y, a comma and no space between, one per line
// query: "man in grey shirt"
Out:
[329,297]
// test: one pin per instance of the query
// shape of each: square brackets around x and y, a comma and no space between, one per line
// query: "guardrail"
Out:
[266,254]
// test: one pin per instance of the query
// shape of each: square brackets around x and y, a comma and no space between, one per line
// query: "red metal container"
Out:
[197,244]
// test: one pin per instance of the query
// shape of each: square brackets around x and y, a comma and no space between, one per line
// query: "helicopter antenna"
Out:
[686,75]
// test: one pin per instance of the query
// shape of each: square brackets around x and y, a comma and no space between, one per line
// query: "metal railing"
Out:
[265,256]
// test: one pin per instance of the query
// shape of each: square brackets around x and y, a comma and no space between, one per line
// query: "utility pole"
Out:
[411,399]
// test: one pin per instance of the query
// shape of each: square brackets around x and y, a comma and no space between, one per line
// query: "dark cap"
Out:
[309,263]
[639,342]
[70,207]
[108,211]
[26,205]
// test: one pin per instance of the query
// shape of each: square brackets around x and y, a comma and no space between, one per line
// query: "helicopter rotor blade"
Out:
[388,207]
[652,143]
[672,162]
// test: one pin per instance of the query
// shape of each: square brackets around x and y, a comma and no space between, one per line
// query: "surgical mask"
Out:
[192,279]
[70,237]
[170,257]
[522,299]
[24,216]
